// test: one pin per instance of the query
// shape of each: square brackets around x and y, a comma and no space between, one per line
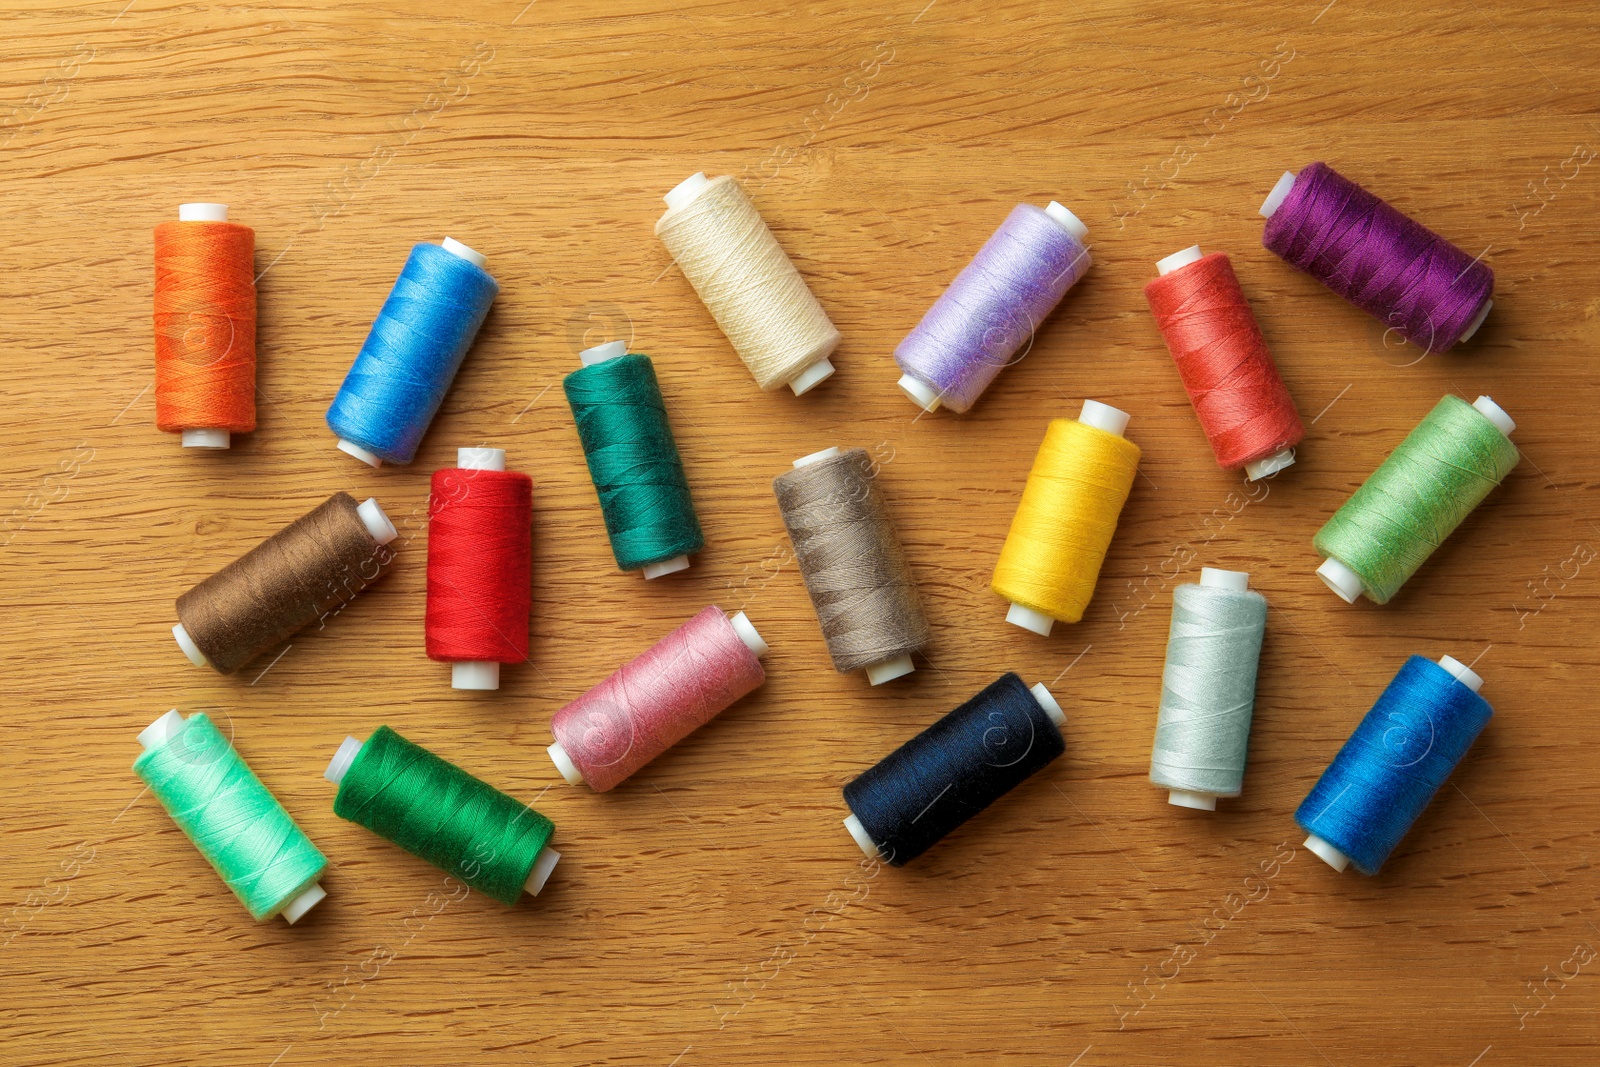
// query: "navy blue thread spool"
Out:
[954,769]
[412,353]
[1392,765]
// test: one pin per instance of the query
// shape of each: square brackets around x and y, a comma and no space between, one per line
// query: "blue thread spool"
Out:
[954,769]
[1387,772]
[412,353]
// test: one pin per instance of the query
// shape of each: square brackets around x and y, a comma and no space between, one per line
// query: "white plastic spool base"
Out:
[816,457]
[1187,798]
[201,212]
[748,633]
[1477,320]
[207,439]
[1215,578]
[921,393]
[890,669]
[569,770]
[350,448]
[1495,414]
[1462,673]
[1047,700]
[1067,220]
[480,675]
[190,649]
[811,377]
[461,251]
[1327,853]
[859,832]
[1279,193]
[377,523]
[1027,618]
[685,192]
[1258,469]
[666,566]
[543,864]
[1341,579]
[345,755]
[589,357]
[1189,255]
[1103,417]
[308,898]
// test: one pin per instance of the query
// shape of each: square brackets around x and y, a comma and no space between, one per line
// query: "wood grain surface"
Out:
[713,911]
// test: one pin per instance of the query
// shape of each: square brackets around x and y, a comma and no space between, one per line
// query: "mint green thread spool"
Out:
[232,818]
[1428,485]
[438,812]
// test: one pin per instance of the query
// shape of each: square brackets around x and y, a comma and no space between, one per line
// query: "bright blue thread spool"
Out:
[1390,768]
[412,353]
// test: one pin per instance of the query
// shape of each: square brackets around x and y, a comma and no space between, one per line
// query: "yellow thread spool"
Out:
[1066,518]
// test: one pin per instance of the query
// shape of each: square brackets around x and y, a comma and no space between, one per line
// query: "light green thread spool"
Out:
[238,826]
[1440,472]
[1208,689]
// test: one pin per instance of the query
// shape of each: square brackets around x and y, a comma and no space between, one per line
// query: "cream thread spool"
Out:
[748,283]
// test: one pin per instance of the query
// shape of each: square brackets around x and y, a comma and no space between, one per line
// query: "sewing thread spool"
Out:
[1401,753]
[748,283]
[1244,408]
[990,312]
[304,572]
[233,819]
[1208,689]
[657,699]
[1443,469]
[854,568]
[1068,513]
[633,460]
[480,567]
[1395,269]
[945,775]
[412,353]
[438,812]
[205,325]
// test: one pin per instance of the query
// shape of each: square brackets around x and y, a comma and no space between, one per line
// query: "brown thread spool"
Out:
[853,566]
[309,568]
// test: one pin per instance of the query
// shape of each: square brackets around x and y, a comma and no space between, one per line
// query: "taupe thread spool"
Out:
[853,566]
[309,568]
[746,281]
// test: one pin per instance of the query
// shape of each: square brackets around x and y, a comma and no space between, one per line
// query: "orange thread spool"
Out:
[205,319]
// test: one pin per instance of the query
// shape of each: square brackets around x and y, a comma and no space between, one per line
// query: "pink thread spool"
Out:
[651,703]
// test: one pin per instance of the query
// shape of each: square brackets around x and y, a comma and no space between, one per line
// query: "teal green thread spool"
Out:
[438,812]
[235,822]
[1441,471]
[633,460]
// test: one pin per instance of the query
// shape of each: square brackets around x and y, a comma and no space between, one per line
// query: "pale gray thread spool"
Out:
[853,566]
[1208,689]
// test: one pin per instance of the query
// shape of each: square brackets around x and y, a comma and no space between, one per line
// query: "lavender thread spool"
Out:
[991,310]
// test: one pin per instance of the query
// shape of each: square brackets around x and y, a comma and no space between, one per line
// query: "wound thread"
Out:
[993,308]
[232,818]
[438,812]
[1208,690]
[302,573]
[1403,750]
[747,282]
[656,700]
[1393,268]
[1240,399]
[205,327]
[480,564]
[957,767]
[633,461]
[1428,485]
[412,353]
[854,568]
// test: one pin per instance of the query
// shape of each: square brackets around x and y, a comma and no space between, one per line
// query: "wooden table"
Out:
[713,910]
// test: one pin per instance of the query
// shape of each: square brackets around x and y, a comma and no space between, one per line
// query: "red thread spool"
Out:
[664,694]
[480,563]
[1244,408]
[205,319]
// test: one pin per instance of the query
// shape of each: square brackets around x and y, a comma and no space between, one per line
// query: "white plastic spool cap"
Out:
[461,251]
[339,765]
[1462,673]
[378,524]
[1036,621]
[1066,220]
[811,377]
[1495,414]
[190,649]
[1341,579]
[1103,417]
[569,770]
[816,457]
[685,191]
[1477,320]
[1327,853]
[859,832]
[1280,193]
[921,393]
[748,633]
[889,669]
[602,353]
[207,439]
[1189,255]
[543,864]
[1258,469]
[1215,578]
[481,459]
[350,448]
[1188,798]
[309,897]
[1047,700]
[666,566]
[202,212]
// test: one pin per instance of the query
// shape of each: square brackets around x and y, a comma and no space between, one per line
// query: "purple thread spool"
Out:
[1395,269]
[991,310]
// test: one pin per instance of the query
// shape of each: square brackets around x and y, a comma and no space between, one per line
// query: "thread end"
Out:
[1280,193]
[859,832]
[309,898]
[1185,798]
[1341,579]
[207,439]
[1036,621]
[350,448]
[479,674]
[1327,853]
[811,377]
[339,765]
[190,649]
[1258,469]
[543,864]
[890,669]
[569,770]
[666,566]
[921,393]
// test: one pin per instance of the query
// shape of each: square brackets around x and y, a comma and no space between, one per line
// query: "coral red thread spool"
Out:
[205,320]
[1244,408]
[664,694]
[480,552]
